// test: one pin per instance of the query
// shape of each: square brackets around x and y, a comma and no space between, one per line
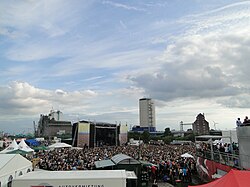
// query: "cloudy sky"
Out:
[95,59]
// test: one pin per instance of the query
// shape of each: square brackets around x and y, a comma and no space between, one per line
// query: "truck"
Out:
[77,178]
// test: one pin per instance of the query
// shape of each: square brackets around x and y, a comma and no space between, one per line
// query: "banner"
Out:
[83,134]
[123,136]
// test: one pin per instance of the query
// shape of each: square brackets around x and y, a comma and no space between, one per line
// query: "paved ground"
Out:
[195,181]
[164,184]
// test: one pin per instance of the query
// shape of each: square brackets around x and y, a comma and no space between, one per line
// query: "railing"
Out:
[221,157]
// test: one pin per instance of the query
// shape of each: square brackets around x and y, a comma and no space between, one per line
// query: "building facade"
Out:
[201,126]
[51,125]
[147,113]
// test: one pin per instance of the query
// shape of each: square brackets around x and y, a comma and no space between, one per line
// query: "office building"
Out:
[147,113]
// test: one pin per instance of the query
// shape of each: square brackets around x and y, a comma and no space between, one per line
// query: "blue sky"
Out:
[95,59]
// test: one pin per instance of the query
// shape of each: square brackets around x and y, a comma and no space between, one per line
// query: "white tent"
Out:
[12,147]
[217,141]
[24,147]
[187,155]
[59,145]
[12,166]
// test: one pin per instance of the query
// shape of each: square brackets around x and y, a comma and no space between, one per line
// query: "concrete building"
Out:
[56,115]
[51,125]
[147,113]
[201,126]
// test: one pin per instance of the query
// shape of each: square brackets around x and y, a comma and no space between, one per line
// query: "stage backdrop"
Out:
[123,136]
[83,134]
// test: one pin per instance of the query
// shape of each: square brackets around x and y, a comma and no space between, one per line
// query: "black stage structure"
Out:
[96,134]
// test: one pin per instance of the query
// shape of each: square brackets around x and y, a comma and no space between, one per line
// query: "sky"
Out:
[93,60]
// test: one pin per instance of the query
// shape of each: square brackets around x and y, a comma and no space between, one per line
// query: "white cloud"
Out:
[124,6]
[106,64]
[46,15]
[21,97]
[211,64]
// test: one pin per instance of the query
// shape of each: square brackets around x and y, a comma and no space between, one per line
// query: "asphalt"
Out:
[165,184]
[161,184]
[195,181]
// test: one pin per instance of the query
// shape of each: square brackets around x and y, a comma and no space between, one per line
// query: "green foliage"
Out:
[167,139]
[167,132]
[145,136]
[134,135]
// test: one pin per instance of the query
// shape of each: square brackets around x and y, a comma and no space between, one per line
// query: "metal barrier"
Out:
[220,157]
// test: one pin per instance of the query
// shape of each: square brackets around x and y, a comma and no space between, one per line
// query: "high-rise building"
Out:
[147,113]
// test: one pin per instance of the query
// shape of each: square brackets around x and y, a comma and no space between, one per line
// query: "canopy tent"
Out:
[24,147]
[186,155]
[217,141]
[32,142]
[124,159]
[12,147]
[235,178]
[42,147]
[104,163]
[146,163]
[12,166]
[59,145]
[18,151]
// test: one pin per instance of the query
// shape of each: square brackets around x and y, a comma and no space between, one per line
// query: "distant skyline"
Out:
[94,60]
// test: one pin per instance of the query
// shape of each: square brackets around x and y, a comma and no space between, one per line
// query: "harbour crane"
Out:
[182,124]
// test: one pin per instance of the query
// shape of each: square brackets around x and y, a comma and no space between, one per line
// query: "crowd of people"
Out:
[246,122]
[225,153]
[166,161]
[218,147]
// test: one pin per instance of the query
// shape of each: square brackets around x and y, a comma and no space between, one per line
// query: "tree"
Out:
[134,135]
[145,136]
[167,132]
[168,139]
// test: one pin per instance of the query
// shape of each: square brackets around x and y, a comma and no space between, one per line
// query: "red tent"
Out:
[235,178]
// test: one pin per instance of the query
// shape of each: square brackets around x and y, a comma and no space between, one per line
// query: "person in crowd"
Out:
[166,160]
[246,120]
[238,122]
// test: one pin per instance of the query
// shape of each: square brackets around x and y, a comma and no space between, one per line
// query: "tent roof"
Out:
[59,145]
[73,175]
[124,159]
[187,155]
[5,158]
[104,163]
[10,162]
[235,178]
[24,147]
[12,147]
[146,163]
[33,142]
[42,147]
[19,151]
